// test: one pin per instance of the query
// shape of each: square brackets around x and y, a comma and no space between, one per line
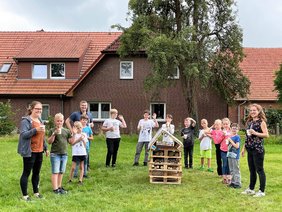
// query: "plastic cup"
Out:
[185,136]
[59,131]
[248,133]
[42,126]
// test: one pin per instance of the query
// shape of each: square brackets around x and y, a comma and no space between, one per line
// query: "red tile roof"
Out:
[23,45]
[260,65]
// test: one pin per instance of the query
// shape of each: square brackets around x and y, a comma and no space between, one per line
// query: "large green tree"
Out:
[278,83]
[200,37]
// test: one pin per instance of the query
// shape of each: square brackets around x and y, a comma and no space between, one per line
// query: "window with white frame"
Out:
[159,109]
[39,71]
[5,67]
[175,74]
[100,110]
[126,70]
[45,112]
[57,71]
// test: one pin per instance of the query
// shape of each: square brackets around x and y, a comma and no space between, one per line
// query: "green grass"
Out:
[127,188]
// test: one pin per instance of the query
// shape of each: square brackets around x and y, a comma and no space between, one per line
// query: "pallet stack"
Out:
[165,160]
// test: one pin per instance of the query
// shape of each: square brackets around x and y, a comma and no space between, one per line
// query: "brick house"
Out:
[62,68]
[259,65]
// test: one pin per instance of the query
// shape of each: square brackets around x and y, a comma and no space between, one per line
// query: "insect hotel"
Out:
[165,158]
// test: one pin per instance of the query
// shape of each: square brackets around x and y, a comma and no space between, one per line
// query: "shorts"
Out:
[58,163]
[78,158]
[206,153]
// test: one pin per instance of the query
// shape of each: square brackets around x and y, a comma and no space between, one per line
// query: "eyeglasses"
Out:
[37,108]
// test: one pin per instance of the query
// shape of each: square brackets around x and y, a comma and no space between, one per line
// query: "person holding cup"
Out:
[111,127]
[256,132]
[187,133]
[59,138]
[31,146]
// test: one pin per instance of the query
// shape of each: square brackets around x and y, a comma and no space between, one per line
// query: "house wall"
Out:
[104,85]
[25,69]
[20,104]
[236,113]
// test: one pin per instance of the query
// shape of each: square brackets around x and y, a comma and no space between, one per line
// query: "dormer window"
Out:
[57,71]
[5,67]
[39,71]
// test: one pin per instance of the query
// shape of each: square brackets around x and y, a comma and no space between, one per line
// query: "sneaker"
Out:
[57,191]
[113,165]
[135,164]
[249,191]
[39,196]
[259,194]
[145,163]
[26,198]
[107,166]
[85,176]
[190,167]
[62,190]
[80,183]
[236,186]
[231,185]
[209,170]
[70,181]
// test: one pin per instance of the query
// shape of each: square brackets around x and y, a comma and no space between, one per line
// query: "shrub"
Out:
[7,124]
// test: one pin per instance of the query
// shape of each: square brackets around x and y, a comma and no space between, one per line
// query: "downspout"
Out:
[62,104]
[239,112]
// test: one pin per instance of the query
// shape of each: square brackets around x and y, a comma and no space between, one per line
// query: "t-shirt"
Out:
[217,136]
[146,127]
[231,148]
[79,149]
[205,142]
[75,116]
[223,145]
[170,129]
[189,131]
[60,144]
[112,123]
[87,130]
[37,141]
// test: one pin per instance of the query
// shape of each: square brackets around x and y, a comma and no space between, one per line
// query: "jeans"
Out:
[234,171]
[31,163]
[139,148]
[255,162]
[58,163]
[218,159]
[188,151]
[112,145]
[225,167]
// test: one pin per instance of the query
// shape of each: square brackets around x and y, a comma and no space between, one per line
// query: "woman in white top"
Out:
[111,127]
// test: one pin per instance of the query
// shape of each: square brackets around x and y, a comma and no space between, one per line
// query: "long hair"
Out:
[31,107]
[261,114]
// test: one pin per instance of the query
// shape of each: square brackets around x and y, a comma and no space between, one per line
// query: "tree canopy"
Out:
[199,37]
[278,83]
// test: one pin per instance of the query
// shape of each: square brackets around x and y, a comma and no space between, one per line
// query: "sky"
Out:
[259,19]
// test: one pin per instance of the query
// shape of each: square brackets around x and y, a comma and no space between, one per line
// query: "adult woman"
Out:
[31,146]
[255,133]
[111,127]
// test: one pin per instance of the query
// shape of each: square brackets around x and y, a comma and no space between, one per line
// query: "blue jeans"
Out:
[58,163]
[225,167]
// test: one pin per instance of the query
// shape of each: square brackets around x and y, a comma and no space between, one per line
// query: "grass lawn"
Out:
[127,188]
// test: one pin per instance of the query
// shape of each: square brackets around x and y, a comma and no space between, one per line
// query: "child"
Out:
[224,148]
[217,136]
[78,150]
[145,126]
[111,127]
[233,156]
[59,137]
[205,145]
[187,134]
[170,128]
[87,130]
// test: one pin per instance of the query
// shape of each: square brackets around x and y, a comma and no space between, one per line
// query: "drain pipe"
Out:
[62,104]
[239,112]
